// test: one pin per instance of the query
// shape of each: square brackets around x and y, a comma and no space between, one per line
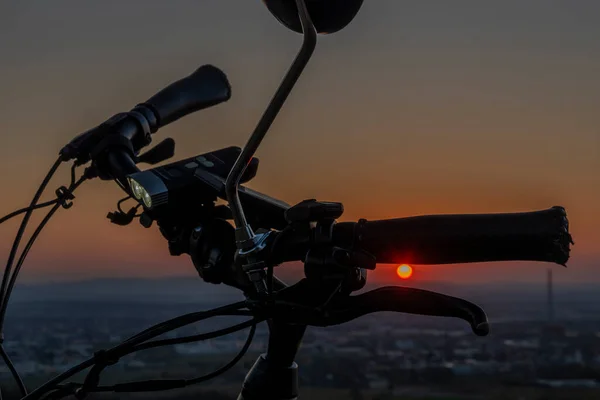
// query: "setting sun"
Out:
[404,271]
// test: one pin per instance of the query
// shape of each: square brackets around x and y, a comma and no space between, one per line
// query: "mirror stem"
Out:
[244,233]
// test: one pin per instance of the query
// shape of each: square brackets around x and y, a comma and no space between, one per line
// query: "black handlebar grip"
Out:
[449,239]
[206,87]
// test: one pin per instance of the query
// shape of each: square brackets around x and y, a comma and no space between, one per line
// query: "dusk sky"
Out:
[415,108]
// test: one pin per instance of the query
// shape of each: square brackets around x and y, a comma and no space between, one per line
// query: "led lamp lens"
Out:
[140,193]
[136,189]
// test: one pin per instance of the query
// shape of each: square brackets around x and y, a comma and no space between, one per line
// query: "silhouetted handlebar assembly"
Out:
[430,239]
[130,131]
[350,246]
[447,239]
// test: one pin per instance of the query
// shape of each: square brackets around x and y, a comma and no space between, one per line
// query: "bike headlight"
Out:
[178,192]
[148,189]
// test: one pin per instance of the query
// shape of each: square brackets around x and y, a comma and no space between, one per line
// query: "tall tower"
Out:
[550,298]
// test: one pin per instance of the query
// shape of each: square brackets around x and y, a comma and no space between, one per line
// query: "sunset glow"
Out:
[404,271]
[433,137]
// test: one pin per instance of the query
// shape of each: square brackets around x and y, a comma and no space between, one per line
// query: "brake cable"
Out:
[21,231]
[182,319]
[12,369]
[63,199]
[180,383]
[80,391]
[169,384]
[150,333]
[199,337]
[25,209]
[27,248]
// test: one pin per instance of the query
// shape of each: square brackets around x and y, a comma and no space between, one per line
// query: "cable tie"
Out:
[65,197]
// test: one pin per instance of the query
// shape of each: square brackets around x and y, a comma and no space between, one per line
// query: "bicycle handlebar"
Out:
[449,239]
[206,87]
[120,164]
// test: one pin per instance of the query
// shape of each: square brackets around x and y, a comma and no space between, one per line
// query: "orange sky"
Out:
[413,109]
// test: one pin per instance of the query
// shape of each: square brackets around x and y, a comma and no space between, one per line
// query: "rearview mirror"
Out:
[328,16]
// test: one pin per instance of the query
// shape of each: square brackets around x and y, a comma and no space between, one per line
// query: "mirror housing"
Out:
[328,16]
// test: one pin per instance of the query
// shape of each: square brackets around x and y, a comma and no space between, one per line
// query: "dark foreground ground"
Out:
[382,356]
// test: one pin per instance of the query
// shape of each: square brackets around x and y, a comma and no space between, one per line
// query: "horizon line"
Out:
[409,282]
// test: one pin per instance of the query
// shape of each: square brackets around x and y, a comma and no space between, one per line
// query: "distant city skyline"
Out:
[415,108]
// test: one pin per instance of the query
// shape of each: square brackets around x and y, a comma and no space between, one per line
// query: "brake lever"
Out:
[159,153]
[411,301]
[301,303]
